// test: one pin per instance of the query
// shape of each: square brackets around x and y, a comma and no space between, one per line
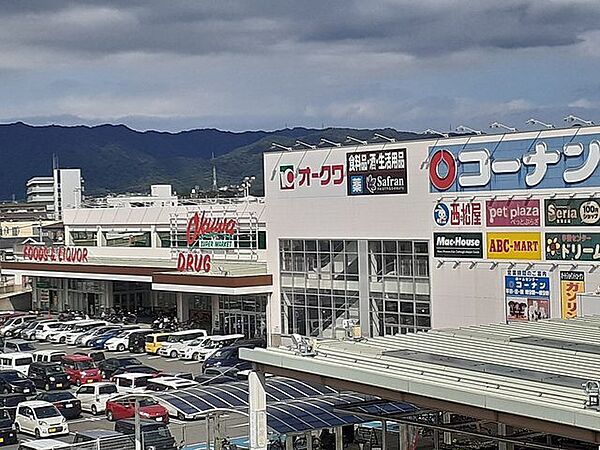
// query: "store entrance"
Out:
[249,324]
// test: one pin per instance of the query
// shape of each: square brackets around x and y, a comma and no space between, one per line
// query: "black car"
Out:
[9,402]
[48,375]
[66,403]
[155,435]
[136,369]
[227,359]
[137,341]
[8,436]
[15,382]
[108,366]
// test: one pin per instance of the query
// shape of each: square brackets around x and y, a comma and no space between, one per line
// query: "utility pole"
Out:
[138,427]
[215,187]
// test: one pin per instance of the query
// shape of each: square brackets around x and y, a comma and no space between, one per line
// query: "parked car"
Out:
[178,340]
[41,419]
[44,444]
[84,338]
[58,335]
[65,402]
[49,355]
[137,341]
[156,435]
[96,355]
[16,382]
[95,395]
[8,327]
[17,346]
[147,370]
[123,407]
[80,329]
[27,326]
[30,333]
[48,375]
[129,383]
[81,369]
[99,341]
[108,366]
[119,342]
[9,402]
[8,436]
[44,331]
[103,440]
[161,384]
[199,350]
[16,361]
[155,341]
[229,357]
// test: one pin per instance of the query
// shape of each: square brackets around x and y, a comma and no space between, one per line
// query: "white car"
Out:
[200,349]
[94,396]
[46,329]
[14,322]
[49,355]
[120,342]
[58,333]
[130,383]
[92,334]
[41,419]
[80,329]
[29,333]
[177,341]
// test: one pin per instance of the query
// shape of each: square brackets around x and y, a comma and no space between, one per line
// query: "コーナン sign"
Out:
[514,246]
[55,254]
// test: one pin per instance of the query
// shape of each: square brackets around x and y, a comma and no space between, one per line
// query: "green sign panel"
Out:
[565,212]
[572,246]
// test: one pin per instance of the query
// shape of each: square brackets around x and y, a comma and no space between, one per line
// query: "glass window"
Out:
[127,238]
[84,238]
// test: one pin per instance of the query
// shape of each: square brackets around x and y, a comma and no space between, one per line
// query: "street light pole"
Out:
[138,426]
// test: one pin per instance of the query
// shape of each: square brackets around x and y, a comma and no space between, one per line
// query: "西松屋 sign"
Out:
[377,172]
[573,246]
[55,254]
[497,164]
[513,213]
[458,245]
[458,213]
[571,284]
[527,295]
[581,212]
[517,245]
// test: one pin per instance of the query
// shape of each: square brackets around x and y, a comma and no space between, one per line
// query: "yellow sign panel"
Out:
[571,284]
[514,246]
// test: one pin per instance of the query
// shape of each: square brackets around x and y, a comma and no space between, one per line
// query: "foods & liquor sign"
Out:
[377,172]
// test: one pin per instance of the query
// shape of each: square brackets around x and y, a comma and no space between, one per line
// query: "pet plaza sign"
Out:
[201,233]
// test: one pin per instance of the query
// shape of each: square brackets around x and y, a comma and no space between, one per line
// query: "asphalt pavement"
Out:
[190,434]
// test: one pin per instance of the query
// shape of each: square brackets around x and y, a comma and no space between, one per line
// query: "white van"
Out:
[199,349]
[129,383]
[49,355]
[16,361]
[177,341]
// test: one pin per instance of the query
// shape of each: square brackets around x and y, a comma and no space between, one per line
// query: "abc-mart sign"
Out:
[555,162]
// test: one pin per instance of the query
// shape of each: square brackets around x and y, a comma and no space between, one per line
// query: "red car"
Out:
[123,407]
[81,369]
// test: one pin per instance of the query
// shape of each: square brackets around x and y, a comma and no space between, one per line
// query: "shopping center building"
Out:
[398,237]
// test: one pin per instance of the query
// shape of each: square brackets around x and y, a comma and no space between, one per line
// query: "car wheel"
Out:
[174,354]
[180,416]
[196,356]
[63,340]
[121,347]
[37,433]
[94,410]
[110,416]
[47,387]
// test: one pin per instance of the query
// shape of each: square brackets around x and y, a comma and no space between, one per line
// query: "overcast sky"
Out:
[258,64]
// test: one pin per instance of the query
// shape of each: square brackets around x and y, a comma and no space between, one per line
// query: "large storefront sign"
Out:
[193,261]
[207,232]
[458,245]
[571,284]
[580,212]
[512,164]
[573,246]
[292,177]
[513,213]
[527,294]
[518,245]
[40,253]
[458,213]
[377,172]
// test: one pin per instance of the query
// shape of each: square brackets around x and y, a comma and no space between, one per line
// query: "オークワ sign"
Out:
[578,212]
[513,213]
[511,164]
[458,245]
[325,175]
[377,172]
[514,245]
[459,214]
[55,254]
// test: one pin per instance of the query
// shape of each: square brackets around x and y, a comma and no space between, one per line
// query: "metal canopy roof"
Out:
[366,367]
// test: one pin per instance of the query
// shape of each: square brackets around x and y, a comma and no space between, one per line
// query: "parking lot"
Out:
[191,434]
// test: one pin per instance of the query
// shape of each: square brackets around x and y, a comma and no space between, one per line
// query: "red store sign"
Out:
[513,213]
[55,254]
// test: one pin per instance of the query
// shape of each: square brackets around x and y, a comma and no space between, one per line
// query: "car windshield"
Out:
[57,358]
[23,361]
[12,376]
[85,365]
[44,412]
[200,341]
[223,354]
[148,402]
[106,390]
[122,334]
[59,396]
[26,347]
[54,369]
[128,362]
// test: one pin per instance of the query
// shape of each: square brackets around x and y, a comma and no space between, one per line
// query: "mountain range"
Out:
[116,159]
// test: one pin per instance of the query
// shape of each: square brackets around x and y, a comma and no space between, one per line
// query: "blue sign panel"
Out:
[527,286]
[545,163]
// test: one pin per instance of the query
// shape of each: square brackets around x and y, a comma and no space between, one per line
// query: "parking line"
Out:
[153,357]
[191,362]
